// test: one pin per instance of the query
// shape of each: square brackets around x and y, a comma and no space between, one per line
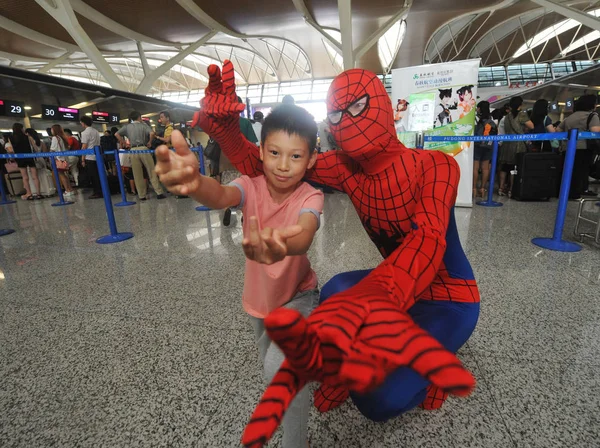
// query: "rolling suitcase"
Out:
[47,186]
[536,177]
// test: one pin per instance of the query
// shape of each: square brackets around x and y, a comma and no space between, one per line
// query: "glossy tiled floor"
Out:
[144,343]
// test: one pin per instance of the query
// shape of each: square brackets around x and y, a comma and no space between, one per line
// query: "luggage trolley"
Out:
[581,218]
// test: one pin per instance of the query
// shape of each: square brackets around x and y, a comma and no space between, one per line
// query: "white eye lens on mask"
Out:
[358,106]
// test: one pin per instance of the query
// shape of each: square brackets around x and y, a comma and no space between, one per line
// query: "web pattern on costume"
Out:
[404,199]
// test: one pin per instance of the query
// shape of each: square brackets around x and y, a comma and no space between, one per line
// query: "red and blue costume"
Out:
[386,336]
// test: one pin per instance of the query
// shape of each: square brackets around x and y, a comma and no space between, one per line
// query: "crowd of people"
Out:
[512,119]
[38,180]
[138,169]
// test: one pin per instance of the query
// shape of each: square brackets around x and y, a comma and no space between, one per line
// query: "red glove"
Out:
[220,109]
[354,342]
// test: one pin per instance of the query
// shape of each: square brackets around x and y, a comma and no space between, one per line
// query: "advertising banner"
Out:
[439,99]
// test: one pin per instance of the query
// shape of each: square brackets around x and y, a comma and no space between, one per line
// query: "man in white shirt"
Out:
[90,138]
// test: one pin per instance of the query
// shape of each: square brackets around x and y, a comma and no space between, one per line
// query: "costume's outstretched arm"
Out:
[219,117]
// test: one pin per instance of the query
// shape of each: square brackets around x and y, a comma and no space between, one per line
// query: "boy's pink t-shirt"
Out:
[269,287]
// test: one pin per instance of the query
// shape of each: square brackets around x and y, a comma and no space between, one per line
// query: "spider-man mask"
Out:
[360,114]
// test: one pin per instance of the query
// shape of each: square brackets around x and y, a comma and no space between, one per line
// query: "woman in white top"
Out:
[60,143]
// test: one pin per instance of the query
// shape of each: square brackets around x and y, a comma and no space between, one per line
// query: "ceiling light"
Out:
[27,108]
[89,114]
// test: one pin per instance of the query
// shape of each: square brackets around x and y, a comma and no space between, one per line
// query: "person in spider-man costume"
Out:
[385,336]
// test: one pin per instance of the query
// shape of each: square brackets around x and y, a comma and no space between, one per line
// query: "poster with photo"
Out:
[439,99]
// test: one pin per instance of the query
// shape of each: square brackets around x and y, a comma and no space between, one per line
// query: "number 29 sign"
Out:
[12,108]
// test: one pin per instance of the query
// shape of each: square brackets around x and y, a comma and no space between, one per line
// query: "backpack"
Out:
[481,129]
[108,143]
[593,144]
[212,150]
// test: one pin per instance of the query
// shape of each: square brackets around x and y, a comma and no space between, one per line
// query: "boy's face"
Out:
[446,99]
[285,159]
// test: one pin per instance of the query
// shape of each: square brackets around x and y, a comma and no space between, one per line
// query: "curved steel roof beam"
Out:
[310,20]
[195,11]
[571,13]
[150,79]
[489,9]
[33,35]
[63,13]
[111,25]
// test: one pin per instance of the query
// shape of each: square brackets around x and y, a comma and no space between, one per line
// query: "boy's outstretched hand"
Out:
[178,170]
[269,245]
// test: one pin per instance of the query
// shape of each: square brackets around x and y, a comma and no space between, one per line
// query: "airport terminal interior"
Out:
[124,308]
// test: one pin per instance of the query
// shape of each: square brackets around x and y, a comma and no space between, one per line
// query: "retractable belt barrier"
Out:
[556,242]
[124,202]
[114,236]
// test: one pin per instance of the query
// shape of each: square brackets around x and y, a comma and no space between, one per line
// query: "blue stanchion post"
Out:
[3,198]
[202,208]
[115,236]
[61,198]
[490,199]
[124,202]
[556,242]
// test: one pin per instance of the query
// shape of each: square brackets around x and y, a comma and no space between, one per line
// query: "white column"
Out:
[345,11]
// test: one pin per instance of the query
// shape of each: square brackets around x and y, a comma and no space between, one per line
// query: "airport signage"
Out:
[59,113]
[12,108]
[105,117]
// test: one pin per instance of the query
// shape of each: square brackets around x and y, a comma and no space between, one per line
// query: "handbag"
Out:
[40,162]
[11,166]
[62,165]
[212,150]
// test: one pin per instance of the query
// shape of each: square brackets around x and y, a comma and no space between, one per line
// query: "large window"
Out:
[525,73]
[301,90]
[492,77]
[313,93]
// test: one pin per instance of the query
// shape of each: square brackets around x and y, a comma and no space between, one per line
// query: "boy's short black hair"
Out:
[165,113]
[87,120]
[68,131]
[293,120]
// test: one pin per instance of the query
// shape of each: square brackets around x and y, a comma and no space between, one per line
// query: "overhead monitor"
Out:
[59,113]
[105,117]
[12,108]
[569,105]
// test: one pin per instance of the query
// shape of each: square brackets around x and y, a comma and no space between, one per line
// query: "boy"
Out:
[283,214]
